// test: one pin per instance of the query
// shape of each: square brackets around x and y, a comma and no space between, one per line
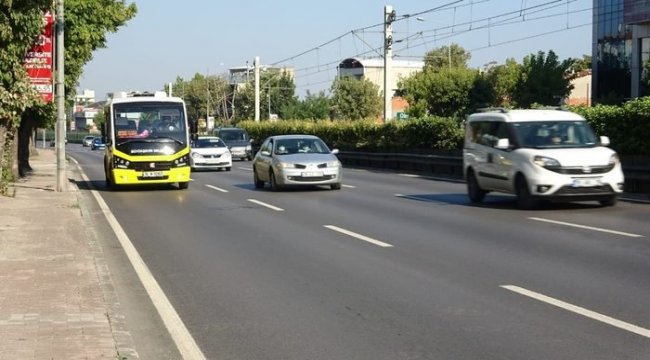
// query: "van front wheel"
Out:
[474,191]
[610,201]
[525,200]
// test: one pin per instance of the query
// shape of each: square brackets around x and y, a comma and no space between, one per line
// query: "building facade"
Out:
[621,50]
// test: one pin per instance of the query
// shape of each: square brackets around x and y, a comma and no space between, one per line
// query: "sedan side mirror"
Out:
[334,151]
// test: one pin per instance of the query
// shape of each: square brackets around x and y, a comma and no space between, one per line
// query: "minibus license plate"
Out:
[152,174]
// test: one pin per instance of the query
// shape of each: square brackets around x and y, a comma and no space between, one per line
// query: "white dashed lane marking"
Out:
[585,227]
[580,310]
[358,236]
[265,205]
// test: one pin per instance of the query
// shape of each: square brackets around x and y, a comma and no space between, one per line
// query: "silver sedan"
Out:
[285,160]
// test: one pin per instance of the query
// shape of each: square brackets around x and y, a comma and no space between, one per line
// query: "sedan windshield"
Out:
[300,145]
[208,143]
[554,134]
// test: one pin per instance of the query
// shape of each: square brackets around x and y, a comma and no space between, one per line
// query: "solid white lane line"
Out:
[179,333]
[580,310]
[585,227]
[265,205]
[245,168]
[217,188]
[358,236]
[349,186]
[410,175]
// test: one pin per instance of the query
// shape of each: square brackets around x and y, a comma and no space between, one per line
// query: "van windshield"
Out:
[233,135]
[554,134]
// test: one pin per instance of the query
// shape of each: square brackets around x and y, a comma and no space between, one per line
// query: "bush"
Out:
[417,135]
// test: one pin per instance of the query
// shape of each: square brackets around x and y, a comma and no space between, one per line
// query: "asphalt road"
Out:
[390,267]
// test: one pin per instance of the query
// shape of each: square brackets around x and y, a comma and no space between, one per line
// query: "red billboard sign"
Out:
[39,59]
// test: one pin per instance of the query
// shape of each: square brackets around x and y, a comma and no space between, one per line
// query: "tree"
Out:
[448,56]
[201,91]
[442,92]
[355,99]
[86,24]
[578,65]
[543,80]
[504,79]
[20,23]
[277,93]
[313,107]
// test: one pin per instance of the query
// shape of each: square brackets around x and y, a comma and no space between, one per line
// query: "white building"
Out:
[373,70]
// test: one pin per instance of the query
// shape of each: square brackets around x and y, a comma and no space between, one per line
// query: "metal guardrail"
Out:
[635,167]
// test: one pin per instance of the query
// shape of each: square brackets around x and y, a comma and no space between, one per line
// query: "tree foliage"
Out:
[20,23]
[277,94]
[86,25]
[312,107]
[504,79]
[202,91]
[441,92]
[543,80]
[448,56]
[355,99]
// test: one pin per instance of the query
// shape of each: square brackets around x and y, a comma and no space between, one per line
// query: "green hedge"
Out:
[418,135]
[627,126]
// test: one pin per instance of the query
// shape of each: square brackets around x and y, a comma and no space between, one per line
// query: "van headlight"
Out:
[545,162]
[613,160]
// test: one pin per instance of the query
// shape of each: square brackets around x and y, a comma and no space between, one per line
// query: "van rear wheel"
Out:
[474,191]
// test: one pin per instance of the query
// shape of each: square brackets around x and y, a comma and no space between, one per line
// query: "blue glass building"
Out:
[621,50]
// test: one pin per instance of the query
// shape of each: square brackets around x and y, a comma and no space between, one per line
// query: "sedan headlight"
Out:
[613,160]
[284,165]
[249,147]
[335,163]
[544,161]
[196,155]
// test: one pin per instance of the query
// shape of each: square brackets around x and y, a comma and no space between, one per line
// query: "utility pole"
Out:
[207,106]
[257,88]
[389,17]
[61,176]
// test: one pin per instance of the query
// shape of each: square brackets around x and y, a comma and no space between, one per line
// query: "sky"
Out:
[169,39]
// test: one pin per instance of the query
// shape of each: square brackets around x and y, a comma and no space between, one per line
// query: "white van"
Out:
[539,154]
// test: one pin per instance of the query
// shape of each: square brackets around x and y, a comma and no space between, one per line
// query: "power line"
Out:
[522,15]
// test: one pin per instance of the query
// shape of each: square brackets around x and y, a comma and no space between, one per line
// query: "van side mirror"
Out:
[502,144]
[604,141]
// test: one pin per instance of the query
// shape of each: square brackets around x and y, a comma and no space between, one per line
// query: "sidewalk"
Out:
[53,299]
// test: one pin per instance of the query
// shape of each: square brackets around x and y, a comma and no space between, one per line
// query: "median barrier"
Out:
[450,165]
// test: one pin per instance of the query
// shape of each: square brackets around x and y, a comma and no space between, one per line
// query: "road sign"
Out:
[39,59]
